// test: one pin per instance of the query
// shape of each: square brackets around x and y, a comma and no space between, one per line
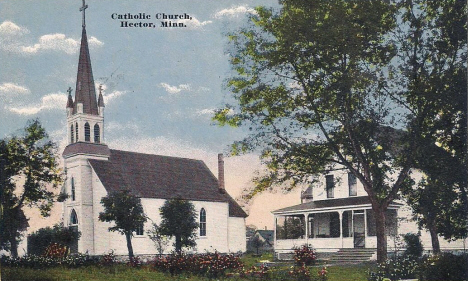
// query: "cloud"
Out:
[235,11]
[48,102]
[194,23]
[12,88]
[58,42]
[206,111]
[113,95]
[8,28]
[13,40]
[174,89]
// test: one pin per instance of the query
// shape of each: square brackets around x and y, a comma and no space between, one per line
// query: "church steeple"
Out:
[85,113]
[85,93]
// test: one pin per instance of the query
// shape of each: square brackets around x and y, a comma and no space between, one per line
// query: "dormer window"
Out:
[87,132]
[97,134]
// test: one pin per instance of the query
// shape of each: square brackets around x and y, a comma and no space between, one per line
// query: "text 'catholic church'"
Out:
[93,171]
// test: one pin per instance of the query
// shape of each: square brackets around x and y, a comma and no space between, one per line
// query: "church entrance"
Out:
[74,244]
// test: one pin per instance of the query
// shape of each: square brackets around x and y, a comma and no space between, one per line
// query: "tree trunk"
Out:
[434,238]
[13,246]
[128,235]
[178,245]
[381,234]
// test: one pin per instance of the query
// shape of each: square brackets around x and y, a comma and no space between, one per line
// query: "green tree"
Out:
[319,86]
[29,176]
[126,211]
[179,220]
[435,47]
[160,241]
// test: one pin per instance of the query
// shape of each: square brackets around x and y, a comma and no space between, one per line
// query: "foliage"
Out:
[108,259]
[44,237]
[256,242]
[305,255]
[414,247]
[30,171]
[43,262]
[126,211]
[395,269]
[435,29]
[178,219]
[343,84]
[160,241]
[212,265]
[55,250]
[445,267]
[300,273]
[323,274]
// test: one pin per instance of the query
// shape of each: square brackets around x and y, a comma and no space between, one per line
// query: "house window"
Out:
[76,131]
[97,136]
[140,230]
[352,184]
[72,133]
[330,185]
[87,132]
[73,189]
[202,222]
[73,218]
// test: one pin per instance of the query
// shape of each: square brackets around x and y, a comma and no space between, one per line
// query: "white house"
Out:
[93,170]
[335,213]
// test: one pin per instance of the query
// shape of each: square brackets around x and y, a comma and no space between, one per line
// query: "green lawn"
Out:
[122,272]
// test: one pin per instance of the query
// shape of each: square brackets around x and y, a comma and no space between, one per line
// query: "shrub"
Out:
[44,237]
[55,250]
[395,269]
[300,273]
[108,259]
[305,255]
[445,267]
[43,262]
[211,265]
[414,247]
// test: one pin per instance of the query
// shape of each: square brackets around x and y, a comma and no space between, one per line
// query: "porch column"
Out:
[306,225]
[341,227]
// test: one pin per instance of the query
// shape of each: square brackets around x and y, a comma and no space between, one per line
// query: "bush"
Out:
[42,262]
[445,267]
[211,265]
[305,255]
[414,247]
[395,269]
[44,237]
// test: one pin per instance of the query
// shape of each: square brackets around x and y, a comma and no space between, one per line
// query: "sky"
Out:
[161,84]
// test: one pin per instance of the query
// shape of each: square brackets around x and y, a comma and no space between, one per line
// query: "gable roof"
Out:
[165,177]
[266,234]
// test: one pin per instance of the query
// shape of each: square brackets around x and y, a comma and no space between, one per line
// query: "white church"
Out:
[93,170]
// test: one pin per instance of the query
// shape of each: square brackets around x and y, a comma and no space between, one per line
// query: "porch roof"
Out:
[339,203]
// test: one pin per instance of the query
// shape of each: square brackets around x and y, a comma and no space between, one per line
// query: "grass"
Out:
[123,272]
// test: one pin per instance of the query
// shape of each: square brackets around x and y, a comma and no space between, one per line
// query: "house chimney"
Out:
[221,173]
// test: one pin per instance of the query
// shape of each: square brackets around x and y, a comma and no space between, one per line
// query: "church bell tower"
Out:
[85,139]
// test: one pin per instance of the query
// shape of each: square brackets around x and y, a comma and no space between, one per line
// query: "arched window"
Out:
[72,189]
[76,131]
[73,218]
[72,134]
[97,134]
[87,132]
[202,222]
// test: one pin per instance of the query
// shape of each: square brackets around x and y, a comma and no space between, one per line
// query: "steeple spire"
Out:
[85,92]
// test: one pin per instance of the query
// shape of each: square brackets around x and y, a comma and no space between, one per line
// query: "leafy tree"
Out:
[126,211]
[160,241]
[256,242]
[436,47]
[179,219]
[30,171]
[322,84]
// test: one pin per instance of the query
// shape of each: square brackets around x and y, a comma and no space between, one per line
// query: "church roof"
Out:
[85,92]
[156,176]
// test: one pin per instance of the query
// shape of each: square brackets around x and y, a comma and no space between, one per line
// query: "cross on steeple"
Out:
[82,9]
[100,89]
[69,90]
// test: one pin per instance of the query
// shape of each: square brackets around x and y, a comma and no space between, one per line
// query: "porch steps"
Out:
[353,255]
